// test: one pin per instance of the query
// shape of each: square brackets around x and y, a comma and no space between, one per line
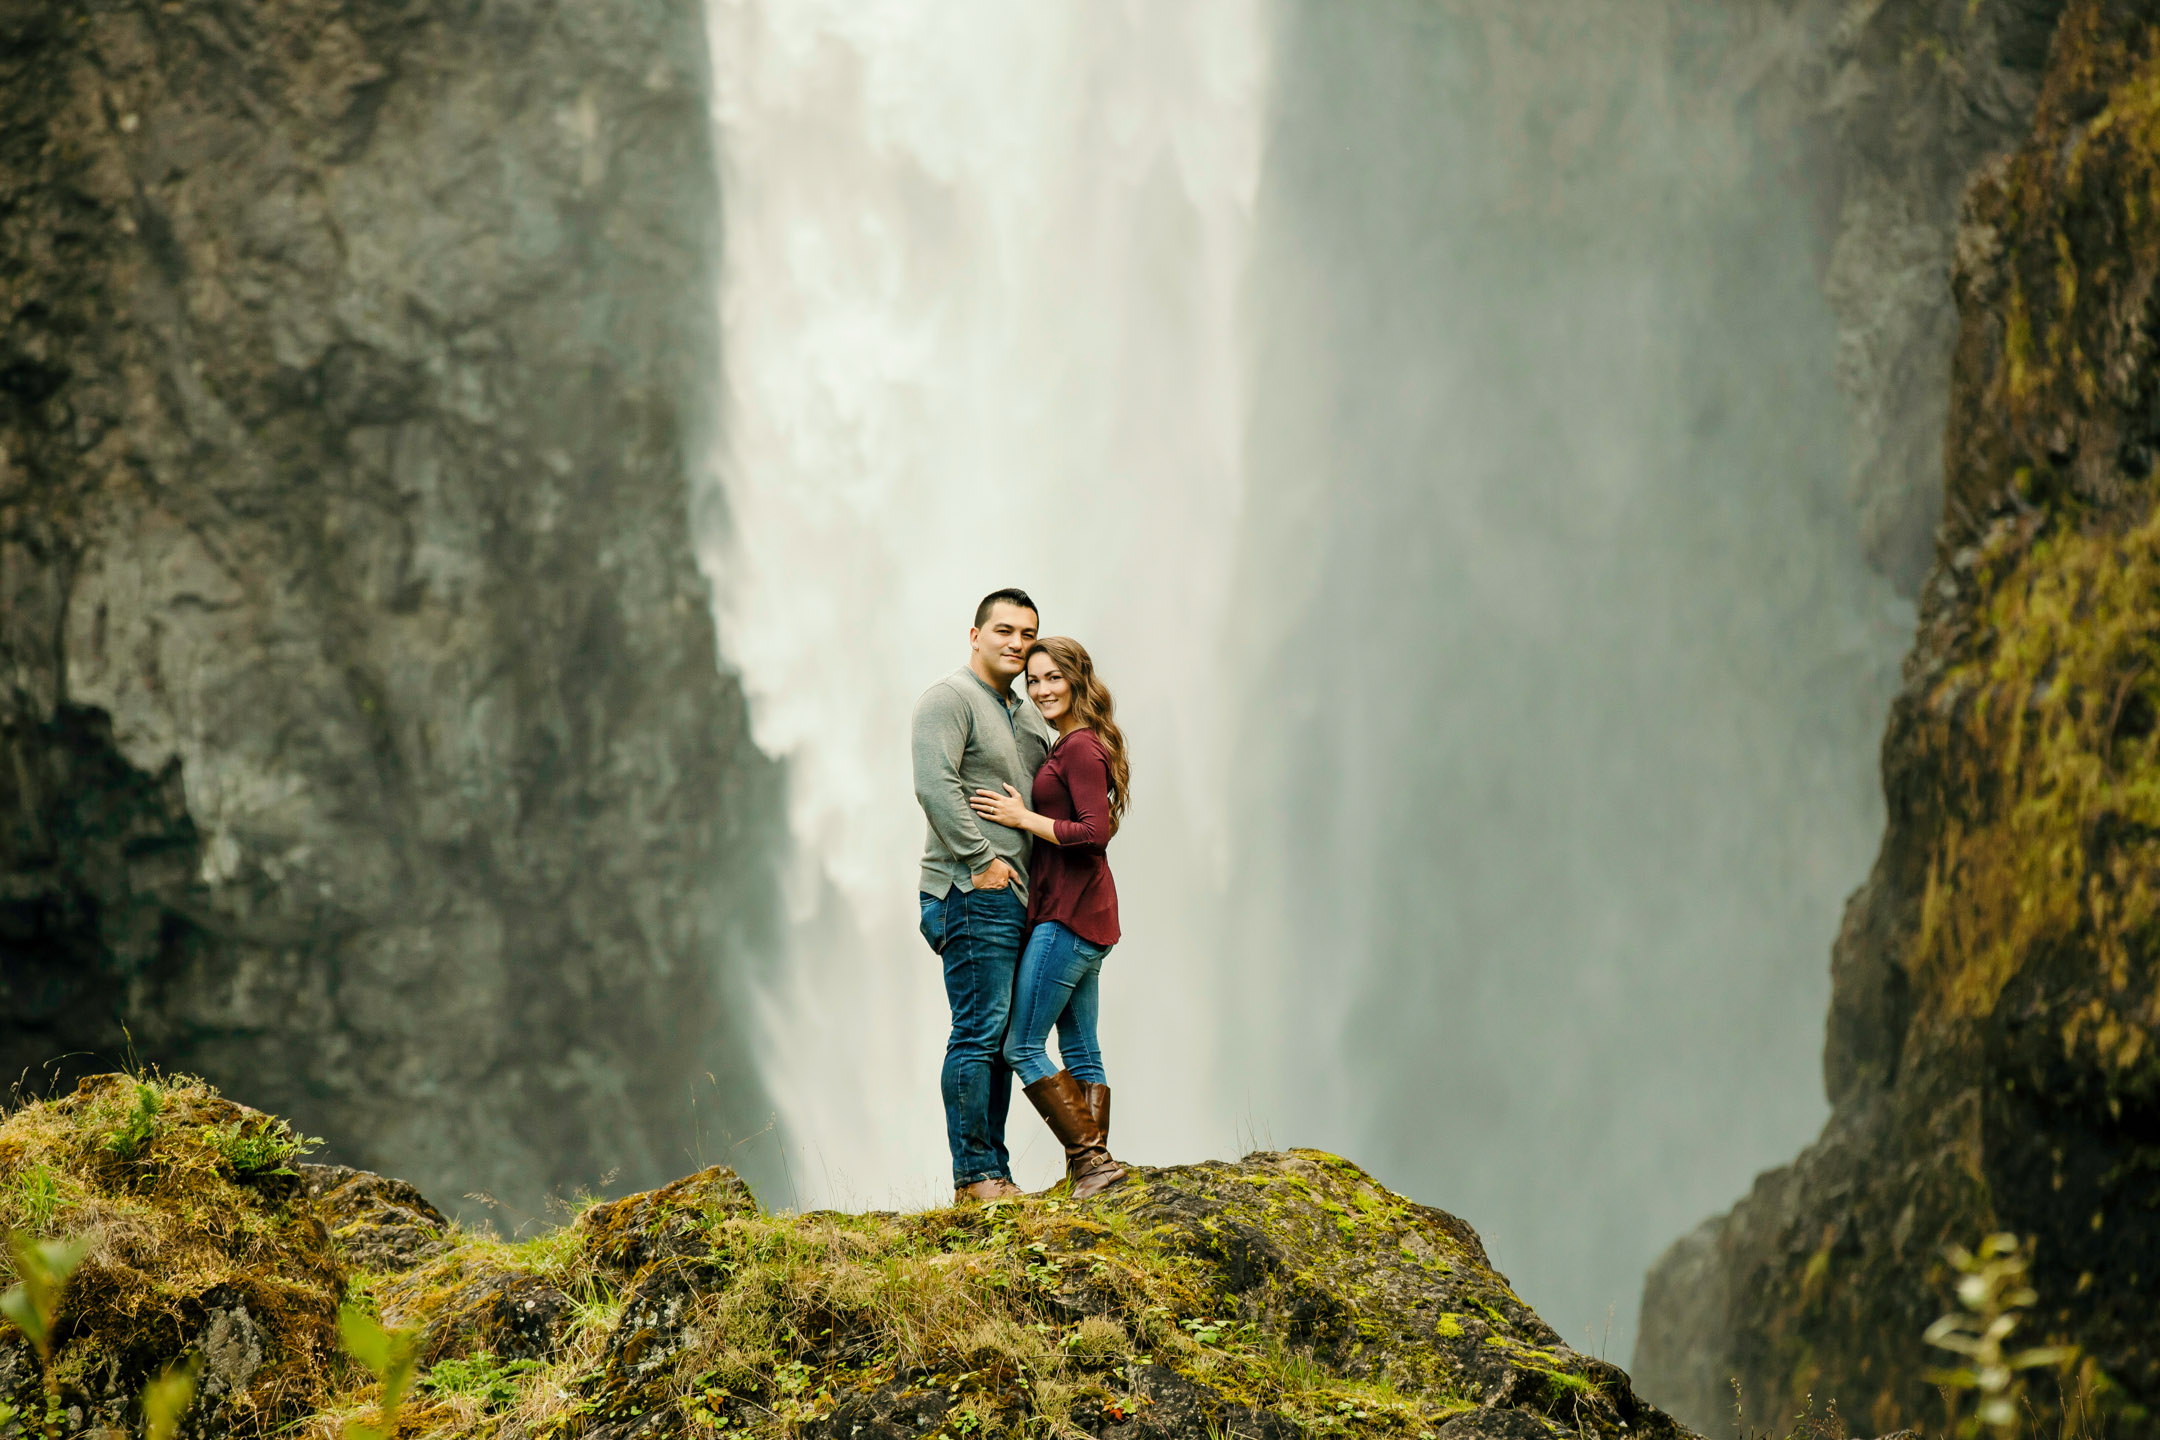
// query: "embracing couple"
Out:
[1022,796]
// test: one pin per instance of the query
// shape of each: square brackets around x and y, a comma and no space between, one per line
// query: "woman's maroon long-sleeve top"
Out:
[1069,882]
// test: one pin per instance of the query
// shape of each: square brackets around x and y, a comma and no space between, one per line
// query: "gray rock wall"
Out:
[1901,101]
[1880,113]
[362,743]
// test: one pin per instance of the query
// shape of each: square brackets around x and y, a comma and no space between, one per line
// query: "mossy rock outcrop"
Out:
[1993,1056]
[201,1239]
[1286,1294]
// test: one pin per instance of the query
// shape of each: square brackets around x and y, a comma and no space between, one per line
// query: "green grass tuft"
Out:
[32,1198]
[480,1377]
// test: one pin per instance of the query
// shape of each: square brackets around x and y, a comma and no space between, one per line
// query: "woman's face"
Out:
[1047,686]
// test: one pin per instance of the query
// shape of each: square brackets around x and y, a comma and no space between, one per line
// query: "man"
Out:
[972,733]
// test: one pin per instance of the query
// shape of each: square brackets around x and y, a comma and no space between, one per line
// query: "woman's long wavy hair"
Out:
[1097,711]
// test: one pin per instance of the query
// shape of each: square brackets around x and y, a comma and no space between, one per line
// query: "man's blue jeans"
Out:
[1057,984]
[978,932]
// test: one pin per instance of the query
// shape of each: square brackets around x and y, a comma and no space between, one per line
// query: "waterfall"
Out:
[981,328]
[1424,411]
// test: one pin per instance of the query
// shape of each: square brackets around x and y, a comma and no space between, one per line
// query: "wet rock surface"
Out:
[1989,1053]
[362,744]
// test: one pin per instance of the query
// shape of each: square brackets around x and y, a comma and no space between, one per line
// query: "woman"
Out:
[1072,906]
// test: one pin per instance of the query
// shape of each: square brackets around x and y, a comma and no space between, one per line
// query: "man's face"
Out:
[1002,639]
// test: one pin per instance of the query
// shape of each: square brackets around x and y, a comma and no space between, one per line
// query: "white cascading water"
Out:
[980,307]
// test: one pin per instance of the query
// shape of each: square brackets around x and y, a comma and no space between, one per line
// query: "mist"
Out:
[1565,675]
[1424,411]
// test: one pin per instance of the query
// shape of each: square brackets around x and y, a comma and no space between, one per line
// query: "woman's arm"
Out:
[1009,810]
[1087,780]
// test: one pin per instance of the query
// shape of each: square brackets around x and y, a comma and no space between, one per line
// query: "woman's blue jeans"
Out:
[1058,984]
[978,935]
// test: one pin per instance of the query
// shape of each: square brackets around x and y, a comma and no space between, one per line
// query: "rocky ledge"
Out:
[1288,1293]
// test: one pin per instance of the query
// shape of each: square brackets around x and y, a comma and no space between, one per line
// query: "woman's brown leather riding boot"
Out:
[1062,1101]
[1098,1097]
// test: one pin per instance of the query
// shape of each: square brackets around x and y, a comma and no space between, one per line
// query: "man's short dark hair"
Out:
[1007,596]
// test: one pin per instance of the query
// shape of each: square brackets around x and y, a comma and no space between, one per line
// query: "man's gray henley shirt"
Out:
[967,737]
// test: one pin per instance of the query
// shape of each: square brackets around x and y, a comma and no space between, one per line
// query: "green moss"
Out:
[2018,350]
[2006,947]
[2053,835]
[1813,1276]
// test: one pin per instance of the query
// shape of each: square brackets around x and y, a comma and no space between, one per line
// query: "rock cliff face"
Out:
[1880,113]
[1990,1055]
[362,743]
[1890,108]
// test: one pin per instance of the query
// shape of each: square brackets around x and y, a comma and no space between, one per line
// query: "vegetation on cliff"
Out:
[1287,1293]
[1991,1051]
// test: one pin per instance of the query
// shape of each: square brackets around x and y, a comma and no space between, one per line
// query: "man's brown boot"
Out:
[997,1187]
[1062,1101]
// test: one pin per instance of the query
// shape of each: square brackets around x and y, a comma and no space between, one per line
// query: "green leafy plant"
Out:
[1992,1292]
[1041,1266]
[166,1399]
[139,1126]
[262,1145]
[388,1355]
[32,1303]
[793,1380]
[479,1377]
